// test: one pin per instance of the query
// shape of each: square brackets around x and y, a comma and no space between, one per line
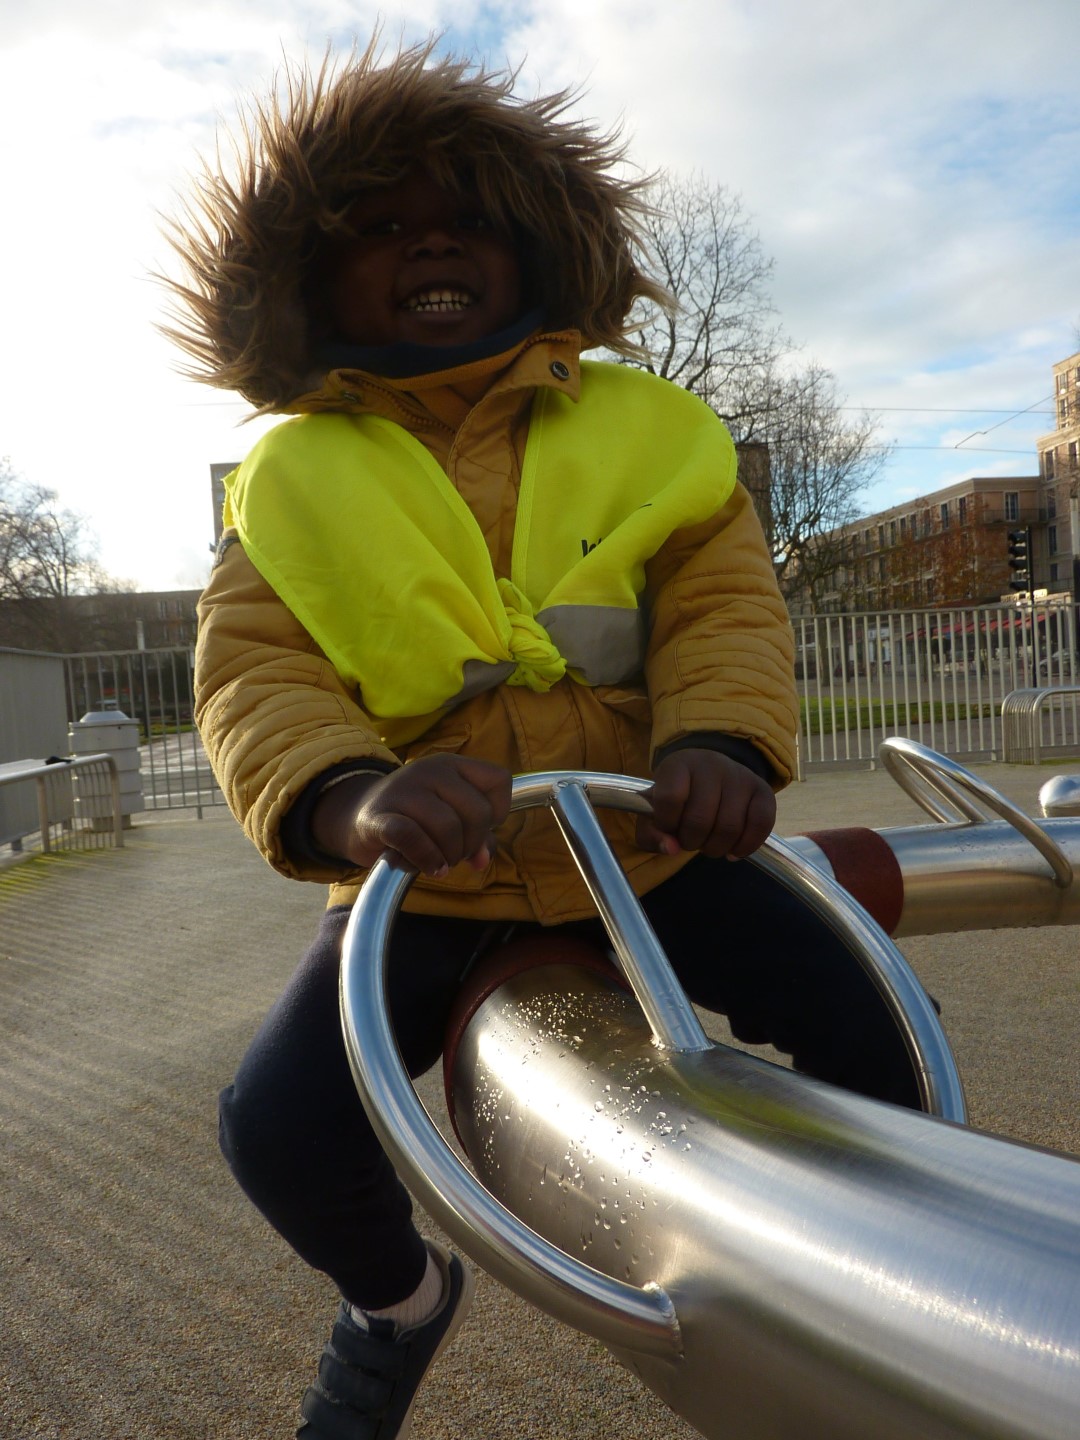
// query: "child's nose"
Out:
[431,241]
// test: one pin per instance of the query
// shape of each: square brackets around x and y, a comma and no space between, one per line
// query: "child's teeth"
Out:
[439,300]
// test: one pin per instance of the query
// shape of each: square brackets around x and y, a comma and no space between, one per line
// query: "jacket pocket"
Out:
[631,706]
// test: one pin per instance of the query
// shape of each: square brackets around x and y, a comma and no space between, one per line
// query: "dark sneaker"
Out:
[368,1379]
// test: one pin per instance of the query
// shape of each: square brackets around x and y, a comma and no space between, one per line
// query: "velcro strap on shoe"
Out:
[368,1389]
[330,1421]
[376,1353]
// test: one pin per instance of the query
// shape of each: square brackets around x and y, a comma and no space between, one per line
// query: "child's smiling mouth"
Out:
[437,299]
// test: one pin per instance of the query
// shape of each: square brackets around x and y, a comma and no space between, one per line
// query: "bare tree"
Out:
[805,459]
[821,458]
[702,246]
[47,555]
[44,550]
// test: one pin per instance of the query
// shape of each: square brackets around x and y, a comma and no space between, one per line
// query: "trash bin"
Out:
[111,732]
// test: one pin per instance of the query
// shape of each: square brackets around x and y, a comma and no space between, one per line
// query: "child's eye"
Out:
[473,222]
[385,226]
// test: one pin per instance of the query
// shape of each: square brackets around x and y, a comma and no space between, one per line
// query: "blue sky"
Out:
[912,170]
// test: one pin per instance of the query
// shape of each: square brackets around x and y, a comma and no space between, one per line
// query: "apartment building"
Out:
[951,547]
[73,624]
[947,548]
[1059,471]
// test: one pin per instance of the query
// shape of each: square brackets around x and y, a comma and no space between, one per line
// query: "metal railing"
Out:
[1024,714]
[155,688]
[78,804]
[936,676]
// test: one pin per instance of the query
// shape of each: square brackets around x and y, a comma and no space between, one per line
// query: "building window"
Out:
[1051,539]
[930,590]
[926,522]
[1012,504]
[1051,504]
[881,537]
[945,515]
[892,532]
[1063,410]
[1048,464]
[1062,381]
[1053,573]
[1073,456]
[961,509]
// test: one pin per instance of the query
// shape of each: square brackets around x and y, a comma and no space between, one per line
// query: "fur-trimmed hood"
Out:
[251,240]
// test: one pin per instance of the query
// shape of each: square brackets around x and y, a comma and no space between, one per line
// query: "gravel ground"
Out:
[143,1297]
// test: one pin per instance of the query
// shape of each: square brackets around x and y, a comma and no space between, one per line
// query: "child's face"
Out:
[423,266]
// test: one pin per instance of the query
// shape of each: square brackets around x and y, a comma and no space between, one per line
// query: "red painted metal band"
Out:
[865,866]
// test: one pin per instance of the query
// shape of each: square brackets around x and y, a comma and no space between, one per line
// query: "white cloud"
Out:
[912,169]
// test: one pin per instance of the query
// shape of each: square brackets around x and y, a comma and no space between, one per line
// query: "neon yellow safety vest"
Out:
[360,532]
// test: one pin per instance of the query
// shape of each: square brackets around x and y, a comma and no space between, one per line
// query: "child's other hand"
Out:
[434,813]
[702,800]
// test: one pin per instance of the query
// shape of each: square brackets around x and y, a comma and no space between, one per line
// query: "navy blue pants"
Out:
[297,1139]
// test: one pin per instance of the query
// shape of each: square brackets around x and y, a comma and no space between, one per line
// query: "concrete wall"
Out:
[33,726]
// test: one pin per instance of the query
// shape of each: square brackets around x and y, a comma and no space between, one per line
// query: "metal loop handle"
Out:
[616,1313]
[922,774]
[638,1319]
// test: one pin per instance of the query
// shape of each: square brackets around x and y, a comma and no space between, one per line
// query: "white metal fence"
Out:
[76,804]
[155,688]
[938,676]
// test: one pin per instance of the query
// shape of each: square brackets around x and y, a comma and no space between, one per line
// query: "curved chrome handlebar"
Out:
[928,778]
[617,1313]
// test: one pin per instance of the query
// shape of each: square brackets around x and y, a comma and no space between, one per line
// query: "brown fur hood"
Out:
[250,240]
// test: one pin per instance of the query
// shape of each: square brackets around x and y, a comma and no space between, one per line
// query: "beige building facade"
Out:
[74,624]
[1059,472]
[952,547]
[947,548]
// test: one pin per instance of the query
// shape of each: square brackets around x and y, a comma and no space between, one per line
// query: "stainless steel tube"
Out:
[984,876]
[841,1269]
[618,1312]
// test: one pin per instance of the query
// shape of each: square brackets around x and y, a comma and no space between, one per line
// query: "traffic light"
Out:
[1020,559]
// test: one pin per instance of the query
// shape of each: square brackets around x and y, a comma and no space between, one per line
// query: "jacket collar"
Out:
[544,359]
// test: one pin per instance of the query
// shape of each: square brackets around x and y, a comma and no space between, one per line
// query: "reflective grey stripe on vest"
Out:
[605,645]
[478,676]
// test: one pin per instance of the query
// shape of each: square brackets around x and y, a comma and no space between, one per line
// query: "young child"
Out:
[471,555]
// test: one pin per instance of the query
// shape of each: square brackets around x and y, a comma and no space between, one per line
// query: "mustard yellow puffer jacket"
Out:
[274,716]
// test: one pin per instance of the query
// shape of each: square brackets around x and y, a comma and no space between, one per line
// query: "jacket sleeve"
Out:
[272,712]
[721,652]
